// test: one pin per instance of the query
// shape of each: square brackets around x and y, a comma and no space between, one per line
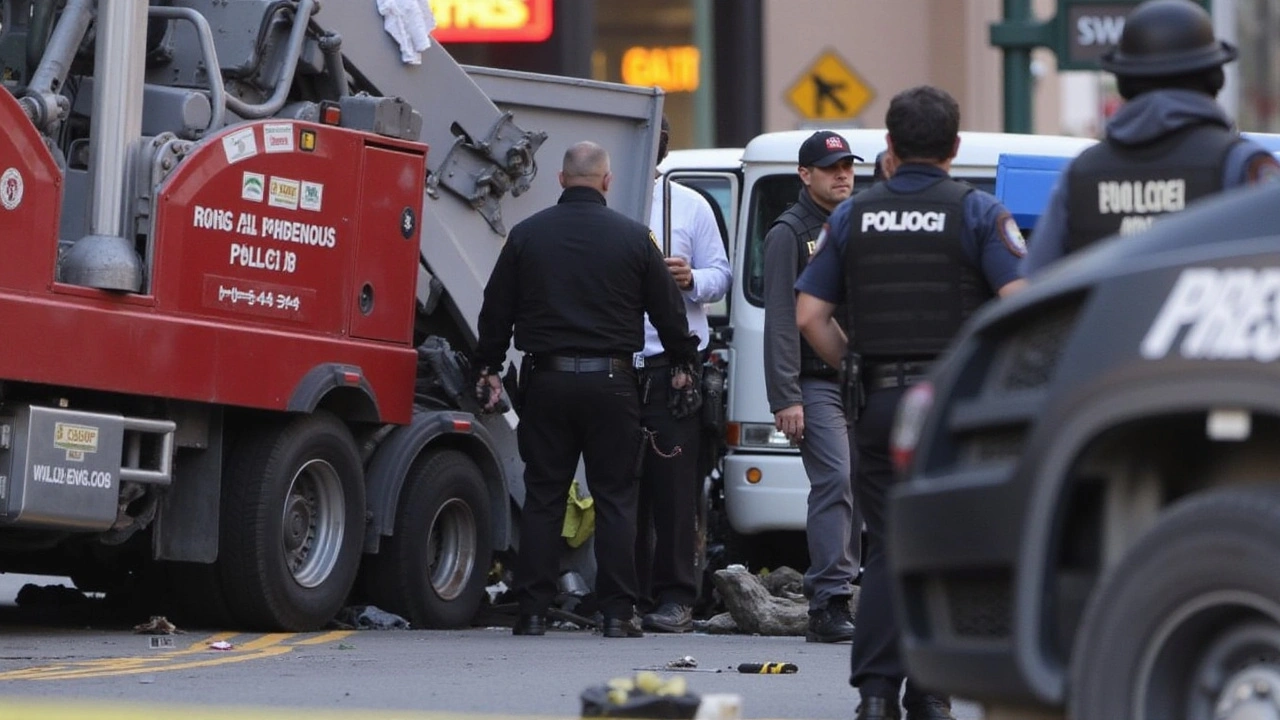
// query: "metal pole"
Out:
[704,100]
[106,257]
[1017,73]
[117,108]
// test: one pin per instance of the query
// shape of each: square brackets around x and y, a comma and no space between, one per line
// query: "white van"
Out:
[763,483]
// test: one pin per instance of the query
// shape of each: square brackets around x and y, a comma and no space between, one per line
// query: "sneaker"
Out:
[831,624]
[669,617]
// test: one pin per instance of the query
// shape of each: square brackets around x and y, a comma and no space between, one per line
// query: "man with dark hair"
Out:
[804,391]
[666,537]
[1168,145]
[910,258]
[574,282]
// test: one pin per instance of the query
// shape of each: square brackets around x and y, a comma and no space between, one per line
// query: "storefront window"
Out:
[651,43]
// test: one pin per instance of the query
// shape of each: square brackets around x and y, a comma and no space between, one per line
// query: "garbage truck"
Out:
[245,246]
[1088,519]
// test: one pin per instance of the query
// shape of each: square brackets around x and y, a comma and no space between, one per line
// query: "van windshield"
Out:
[773,194]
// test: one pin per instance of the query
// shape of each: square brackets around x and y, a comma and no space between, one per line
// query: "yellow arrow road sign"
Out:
[829,89]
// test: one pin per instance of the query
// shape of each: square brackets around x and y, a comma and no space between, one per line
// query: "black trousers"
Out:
[564,415]
[877,669]
[666,535]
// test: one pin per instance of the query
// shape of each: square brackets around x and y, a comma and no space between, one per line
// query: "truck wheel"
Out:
[433,568]
[292,523]
[1188,624]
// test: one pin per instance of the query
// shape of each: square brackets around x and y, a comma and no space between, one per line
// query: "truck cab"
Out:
[761,479]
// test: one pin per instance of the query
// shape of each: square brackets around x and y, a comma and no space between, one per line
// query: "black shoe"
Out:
[621,628]
[530,625]
[877,708]
[832,623]
[929,707]
[669,617]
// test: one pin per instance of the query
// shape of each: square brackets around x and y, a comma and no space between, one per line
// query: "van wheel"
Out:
[1188,625]
[434,567]
[293,512]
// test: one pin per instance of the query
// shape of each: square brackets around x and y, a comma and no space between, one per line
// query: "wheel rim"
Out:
[1217,657]
[451,549]
[313,523]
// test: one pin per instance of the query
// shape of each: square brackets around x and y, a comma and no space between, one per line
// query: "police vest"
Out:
[910,284]
[1116,189]
[806,225]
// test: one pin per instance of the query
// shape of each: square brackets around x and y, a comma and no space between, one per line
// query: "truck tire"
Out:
[434,567]
[1188,624]
[293,510]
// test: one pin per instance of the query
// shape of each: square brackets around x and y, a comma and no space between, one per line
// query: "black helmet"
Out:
[1167,37]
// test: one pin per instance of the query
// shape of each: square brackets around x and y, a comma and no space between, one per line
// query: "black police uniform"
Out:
[913,257]
[575,281]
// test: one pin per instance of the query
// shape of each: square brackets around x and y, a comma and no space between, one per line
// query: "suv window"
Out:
[769,198]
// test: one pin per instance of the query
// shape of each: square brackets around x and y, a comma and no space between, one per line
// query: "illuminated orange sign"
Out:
[491,20]
[674,68]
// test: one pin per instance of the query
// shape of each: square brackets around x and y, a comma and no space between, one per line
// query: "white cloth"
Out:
[410,23]
[695,236]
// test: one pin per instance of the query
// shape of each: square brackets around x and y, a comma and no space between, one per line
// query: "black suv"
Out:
[1089,517]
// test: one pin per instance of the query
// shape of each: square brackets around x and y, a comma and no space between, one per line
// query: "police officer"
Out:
[911,258]
[669,482]
[574,281]
[1169,144]
[804,391]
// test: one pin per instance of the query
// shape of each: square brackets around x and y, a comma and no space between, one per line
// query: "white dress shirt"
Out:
[695,237]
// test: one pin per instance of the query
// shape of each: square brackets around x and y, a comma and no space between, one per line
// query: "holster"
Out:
[713,384]
[853,395]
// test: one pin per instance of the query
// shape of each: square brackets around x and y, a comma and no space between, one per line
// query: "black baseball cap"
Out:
[824,149]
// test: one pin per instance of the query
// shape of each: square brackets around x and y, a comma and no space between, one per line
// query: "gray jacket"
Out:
[782,341]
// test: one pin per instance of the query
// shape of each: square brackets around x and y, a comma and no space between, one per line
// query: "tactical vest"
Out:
[1120,189]
[806,225]
[910,284]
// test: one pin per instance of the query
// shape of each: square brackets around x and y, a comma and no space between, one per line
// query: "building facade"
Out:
[734,68]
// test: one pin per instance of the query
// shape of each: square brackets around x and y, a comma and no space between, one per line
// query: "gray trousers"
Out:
[834,525]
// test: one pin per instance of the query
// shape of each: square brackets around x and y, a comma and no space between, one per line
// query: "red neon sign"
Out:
[491,20]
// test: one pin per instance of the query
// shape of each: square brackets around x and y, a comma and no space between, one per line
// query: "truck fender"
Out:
[342,386]
[390,465]
[1061,443]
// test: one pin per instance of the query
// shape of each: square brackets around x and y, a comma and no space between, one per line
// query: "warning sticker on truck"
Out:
[239,145]
[11,189]
[284,193]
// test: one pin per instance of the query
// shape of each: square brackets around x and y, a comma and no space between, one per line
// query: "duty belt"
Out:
[575,364]
[886,375]
[815,367]
[651,361]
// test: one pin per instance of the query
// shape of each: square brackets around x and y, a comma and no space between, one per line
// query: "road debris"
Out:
[769,668]
[157,625]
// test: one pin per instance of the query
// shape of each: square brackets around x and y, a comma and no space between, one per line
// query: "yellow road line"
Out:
[17,709]
[269,645]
